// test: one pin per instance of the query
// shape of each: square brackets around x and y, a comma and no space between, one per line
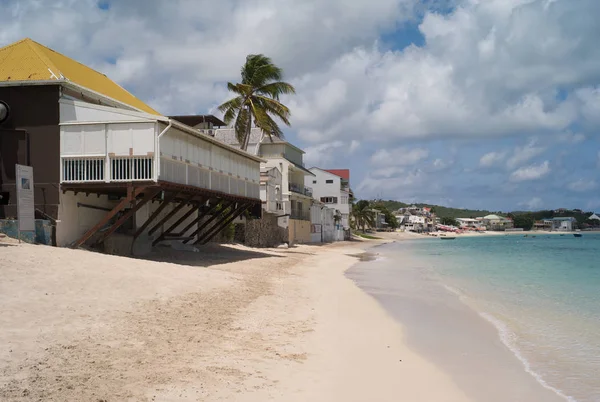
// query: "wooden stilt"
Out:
[179,221]
[171,214]
[131,194]
[212,218]
[160,208]
[149,196]
[217,227]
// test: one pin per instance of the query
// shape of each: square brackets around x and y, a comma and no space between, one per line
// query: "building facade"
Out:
[332,188]
[105,162]
[296,198]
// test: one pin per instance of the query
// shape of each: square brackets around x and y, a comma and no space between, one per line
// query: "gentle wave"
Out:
[508,338]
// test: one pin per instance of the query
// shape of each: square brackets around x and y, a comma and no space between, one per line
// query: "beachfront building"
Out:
[270,190]
[332,188]
[497,223]
[295,197]
[470,223]
[566,224]
[104,162]
[543,224]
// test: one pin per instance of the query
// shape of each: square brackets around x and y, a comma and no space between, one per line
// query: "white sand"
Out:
[228,323]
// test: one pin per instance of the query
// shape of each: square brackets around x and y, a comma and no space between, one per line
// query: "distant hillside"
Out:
[444,212]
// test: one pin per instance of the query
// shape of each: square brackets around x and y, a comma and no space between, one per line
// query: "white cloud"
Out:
[524,154]
[399,156]
[533,172]
[571,138]
[582,185]
[533,204]
[491,159]
[323,155]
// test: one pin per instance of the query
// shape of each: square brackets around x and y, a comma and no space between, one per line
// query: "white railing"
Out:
[83,169]
[135,168]
[101,169]
[185,173]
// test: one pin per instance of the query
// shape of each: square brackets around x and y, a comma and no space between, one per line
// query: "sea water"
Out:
[542,294]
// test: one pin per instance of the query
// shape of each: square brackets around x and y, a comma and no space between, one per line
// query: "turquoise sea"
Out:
[541,293]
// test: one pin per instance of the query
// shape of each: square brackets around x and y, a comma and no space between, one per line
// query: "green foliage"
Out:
[229,232]
[390,218]
[449,221]
[438,209]
[524,221]
[362,215]
[257,99]
[366,236]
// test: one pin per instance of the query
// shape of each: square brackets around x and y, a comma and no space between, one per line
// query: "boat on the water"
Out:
[577,235]
[448,238]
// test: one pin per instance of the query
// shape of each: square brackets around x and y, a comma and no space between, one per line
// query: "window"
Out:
[329,181]
[329,200]
[344,199]
[314,182]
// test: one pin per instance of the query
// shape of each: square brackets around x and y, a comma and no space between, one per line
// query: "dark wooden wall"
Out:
[31,136]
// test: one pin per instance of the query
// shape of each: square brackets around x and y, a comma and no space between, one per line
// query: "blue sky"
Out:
[481,104]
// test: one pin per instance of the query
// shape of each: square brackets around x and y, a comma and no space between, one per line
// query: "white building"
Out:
[296,198]
[112,164]
[470,223]
[332,188]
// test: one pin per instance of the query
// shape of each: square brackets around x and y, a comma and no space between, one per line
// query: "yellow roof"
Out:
[27,60]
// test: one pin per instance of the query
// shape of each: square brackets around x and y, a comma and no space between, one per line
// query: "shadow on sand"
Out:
[210,254]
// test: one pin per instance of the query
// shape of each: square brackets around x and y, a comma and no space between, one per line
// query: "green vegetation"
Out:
[524,217]
[362,216]
[257,99]
[438,209]
[366,236]
[390,218]
[449,221]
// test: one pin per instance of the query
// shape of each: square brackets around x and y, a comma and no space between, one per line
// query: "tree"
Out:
[390,218]
[449,221]
[362,215]
[523,221]
[257,99]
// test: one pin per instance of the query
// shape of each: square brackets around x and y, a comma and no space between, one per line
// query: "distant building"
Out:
[497,222]
[469,223]
[566,224]
[332,188]
[594,217]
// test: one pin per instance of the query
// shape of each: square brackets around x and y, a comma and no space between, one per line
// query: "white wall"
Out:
[323,189]
[74,221]
[190,160]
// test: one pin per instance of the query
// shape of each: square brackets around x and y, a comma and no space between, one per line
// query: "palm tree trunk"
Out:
[248,131]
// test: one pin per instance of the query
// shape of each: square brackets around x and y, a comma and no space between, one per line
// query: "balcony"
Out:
[300,214]
[299,189]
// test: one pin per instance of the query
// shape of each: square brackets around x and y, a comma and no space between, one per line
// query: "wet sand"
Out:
[447,332]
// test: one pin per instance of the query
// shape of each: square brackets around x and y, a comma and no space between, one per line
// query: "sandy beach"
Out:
[227,323]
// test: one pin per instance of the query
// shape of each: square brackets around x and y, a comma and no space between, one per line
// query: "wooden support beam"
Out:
[147,197]
[198,219]
[208,233]
[170,229]
[171,214]
[160,208]
[208,236]
[131,194]
[212,218]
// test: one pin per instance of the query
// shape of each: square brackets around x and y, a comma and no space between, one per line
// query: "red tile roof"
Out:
[343,173]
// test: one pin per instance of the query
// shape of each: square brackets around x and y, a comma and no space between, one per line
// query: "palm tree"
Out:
[363,215]
[257,99]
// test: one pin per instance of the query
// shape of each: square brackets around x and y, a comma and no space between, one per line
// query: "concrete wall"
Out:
[75,221]
[299,231]
[41,235]
[264,232]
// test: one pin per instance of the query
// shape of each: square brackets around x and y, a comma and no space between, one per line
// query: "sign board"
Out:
[25,204]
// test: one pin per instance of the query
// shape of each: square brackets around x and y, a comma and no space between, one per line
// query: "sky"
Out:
[487,104]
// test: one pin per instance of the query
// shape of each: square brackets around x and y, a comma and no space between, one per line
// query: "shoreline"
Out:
[436,306]
[228,323]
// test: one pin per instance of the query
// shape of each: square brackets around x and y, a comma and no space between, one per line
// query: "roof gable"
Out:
[343,173]
[28,60]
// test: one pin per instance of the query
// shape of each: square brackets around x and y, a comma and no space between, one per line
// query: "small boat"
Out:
[448,238]
[577,235]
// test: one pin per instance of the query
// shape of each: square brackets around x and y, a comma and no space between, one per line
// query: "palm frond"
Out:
[275,89]
[241,125]
[272,106]
[259,70]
